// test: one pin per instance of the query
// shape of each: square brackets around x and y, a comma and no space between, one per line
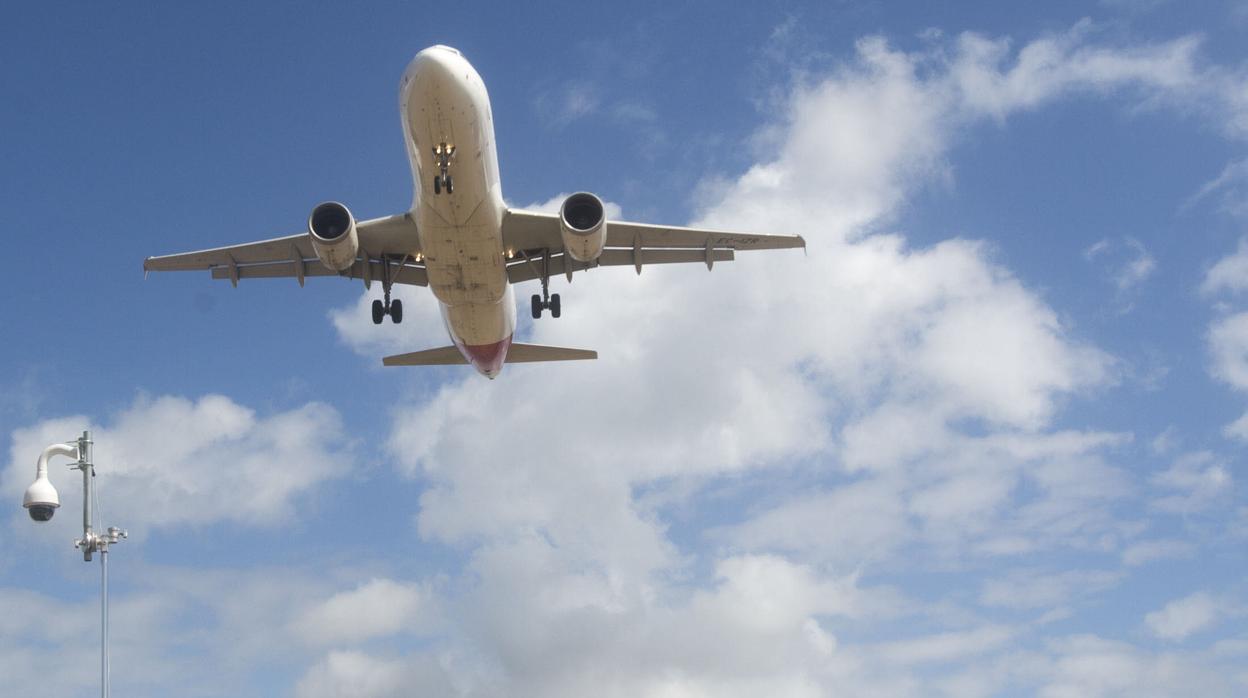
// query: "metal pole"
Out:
[88,473]
[104,623]
[91,542]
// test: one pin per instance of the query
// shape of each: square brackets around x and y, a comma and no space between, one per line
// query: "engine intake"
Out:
[332,229]
[583,225]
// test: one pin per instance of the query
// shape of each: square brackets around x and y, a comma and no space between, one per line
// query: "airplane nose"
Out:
[436,62]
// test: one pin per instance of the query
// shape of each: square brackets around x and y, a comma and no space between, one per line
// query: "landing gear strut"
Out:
[442,155]
[392,308]
[546,300]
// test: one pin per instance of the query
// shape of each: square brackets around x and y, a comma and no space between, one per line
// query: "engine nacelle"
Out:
[332,229]
[583,225]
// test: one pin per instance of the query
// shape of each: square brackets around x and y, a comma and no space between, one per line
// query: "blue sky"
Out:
[986,438]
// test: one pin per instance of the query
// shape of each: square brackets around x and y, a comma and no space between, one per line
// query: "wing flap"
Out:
[626,234]
[524,271]
[410,274]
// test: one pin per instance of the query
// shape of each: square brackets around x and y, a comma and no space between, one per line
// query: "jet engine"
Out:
[583,225]
[332,229]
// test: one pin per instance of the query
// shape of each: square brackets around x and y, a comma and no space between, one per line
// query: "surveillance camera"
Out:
[41,499]
[41,512]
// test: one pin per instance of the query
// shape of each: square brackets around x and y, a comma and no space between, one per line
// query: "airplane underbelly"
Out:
[460,230]
[478,324]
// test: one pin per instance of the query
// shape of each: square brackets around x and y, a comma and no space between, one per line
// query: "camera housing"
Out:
[41,499]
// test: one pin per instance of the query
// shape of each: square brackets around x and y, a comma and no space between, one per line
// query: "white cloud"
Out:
[377,608]
[913,389]
[1030,589]
[165,461]
[1228,342]
[568,102]
[360,675]
[194,632]
[1183,617]
[946,647]
[1194,482]
[1237,429]
[1146,551]
[1129,262]
[1230,188]
[1230,273]
[1084,666]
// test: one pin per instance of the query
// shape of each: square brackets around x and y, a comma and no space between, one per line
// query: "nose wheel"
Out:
[442,155]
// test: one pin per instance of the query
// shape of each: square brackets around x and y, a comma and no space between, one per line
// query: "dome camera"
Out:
[41,500]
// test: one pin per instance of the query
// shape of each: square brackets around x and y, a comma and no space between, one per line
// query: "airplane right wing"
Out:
[536,239]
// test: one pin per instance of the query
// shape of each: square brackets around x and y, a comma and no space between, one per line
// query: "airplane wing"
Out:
[536,240]
[391,240]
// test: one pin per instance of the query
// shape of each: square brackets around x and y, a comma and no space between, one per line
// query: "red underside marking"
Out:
[488,358]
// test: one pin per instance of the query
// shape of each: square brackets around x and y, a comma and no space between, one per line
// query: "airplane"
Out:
[459,238]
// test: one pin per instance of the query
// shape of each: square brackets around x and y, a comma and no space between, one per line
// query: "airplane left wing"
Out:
[536,240]
[390,240]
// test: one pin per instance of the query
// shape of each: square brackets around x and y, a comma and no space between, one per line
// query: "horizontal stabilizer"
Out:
[516,354]
[525,353]
[442,356]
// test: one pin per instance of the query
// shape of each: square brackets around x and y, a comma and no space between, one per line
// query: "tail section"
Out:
[518,353]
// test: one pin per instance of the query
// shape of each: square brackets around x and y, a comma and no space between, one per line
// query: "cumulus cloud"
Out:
[238,626]
[170,460]
[377,608]
[1230,273]
[874,403]
[1183,617]
[361,675]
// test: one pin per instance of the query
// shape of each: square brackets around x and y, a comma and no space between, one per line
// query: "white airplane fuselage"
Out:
[443,101]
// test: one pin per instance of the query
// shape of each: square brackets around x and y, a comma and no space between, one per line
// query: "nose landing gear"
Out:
[442,155]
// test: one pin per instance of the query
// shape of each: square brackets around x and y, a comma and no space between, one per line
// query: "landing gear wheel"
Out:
[379,312]
[450,184]
[437,185]
[537,306]
[554,305]
[396,311]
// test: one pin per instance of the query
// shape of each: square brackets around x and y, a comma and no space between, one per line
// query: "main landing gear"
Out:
[546,300]
[392,308]
[543,302]
[442,155]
